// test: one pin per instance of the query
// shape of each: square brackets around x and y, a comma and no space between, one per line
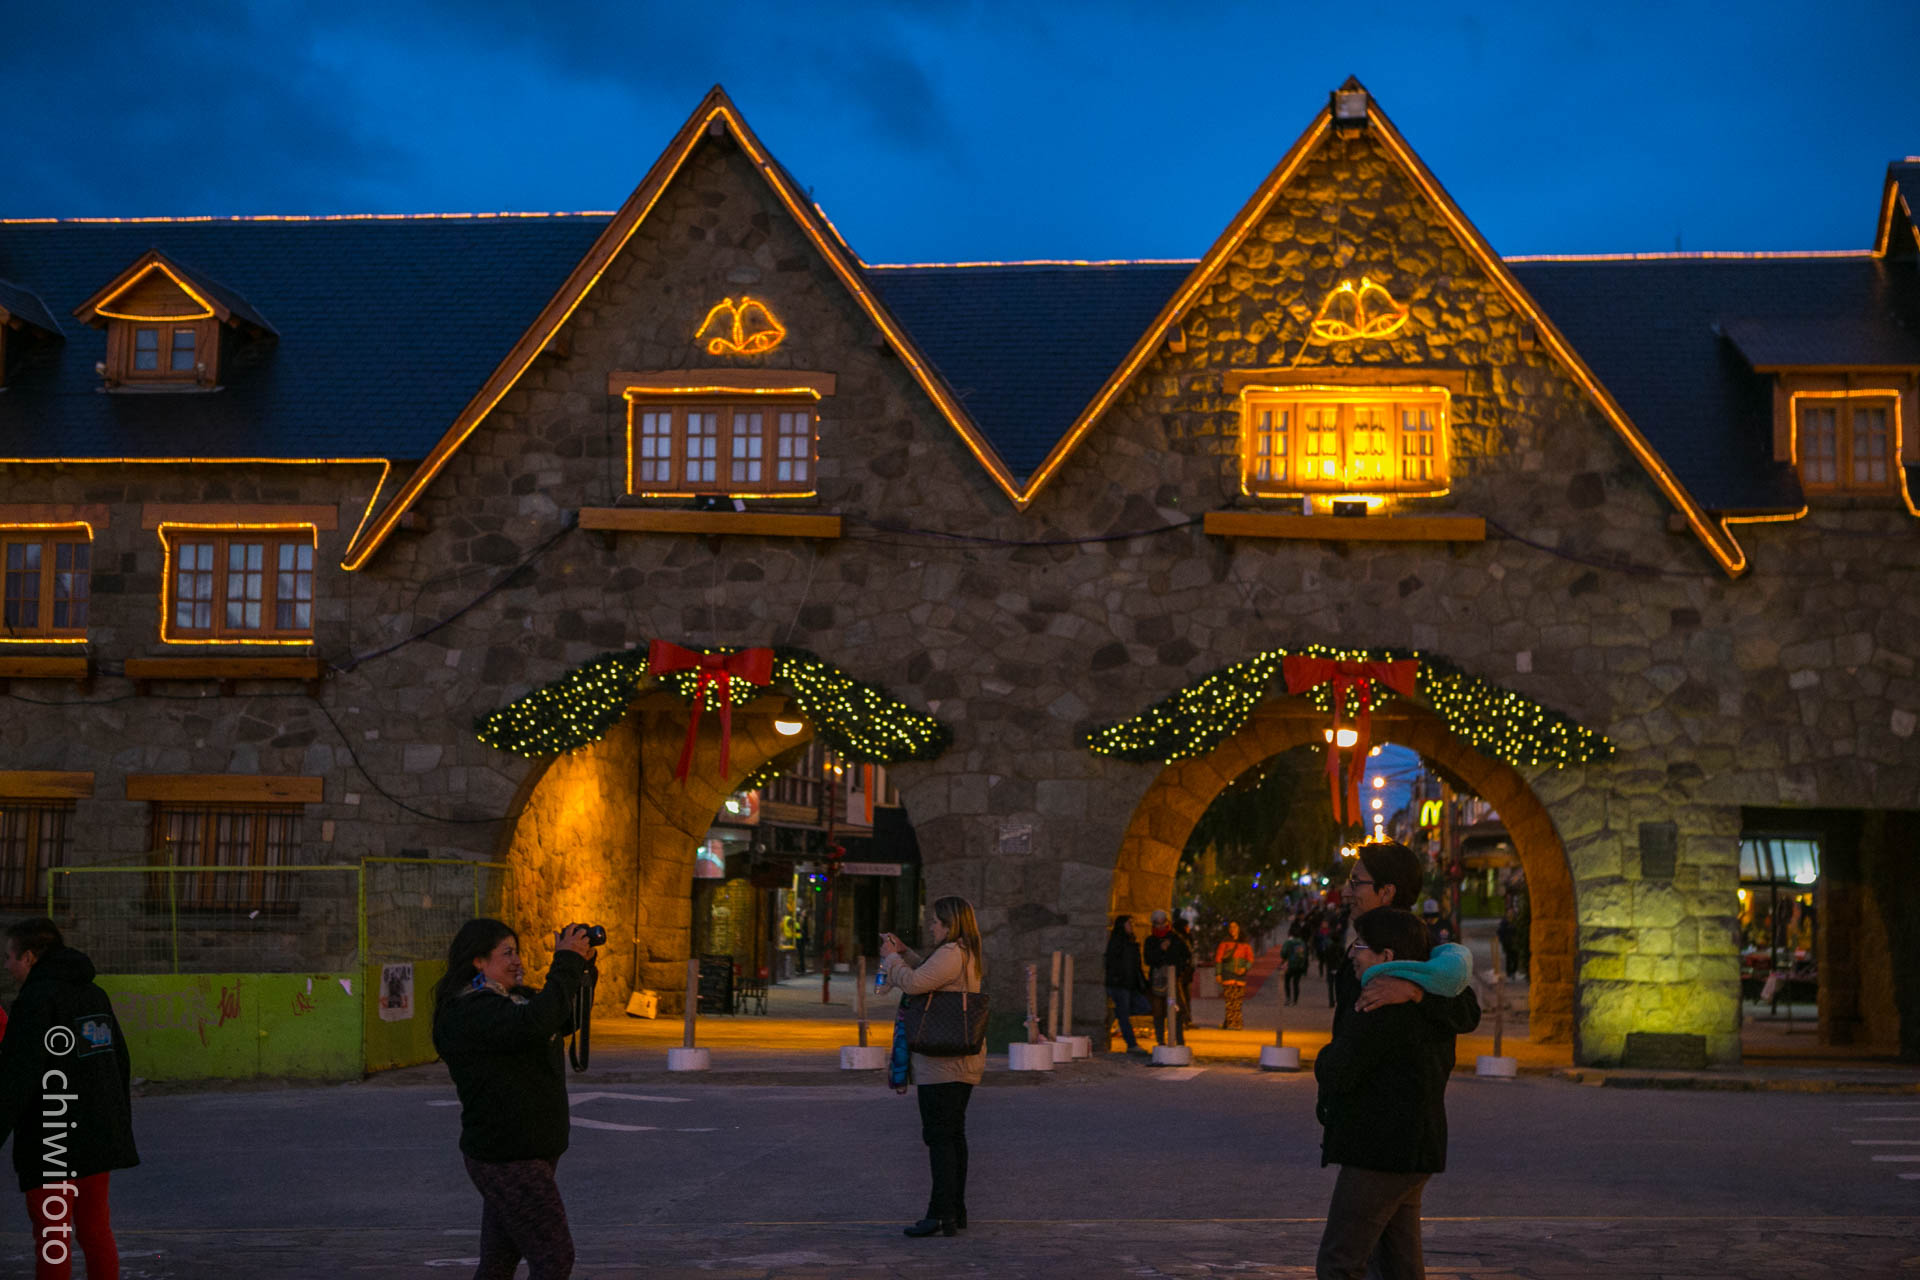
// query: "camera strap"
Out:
[580,1046]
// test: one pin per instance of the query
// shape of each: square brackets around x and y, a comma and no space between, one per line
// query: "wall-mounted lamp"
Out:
[787,728]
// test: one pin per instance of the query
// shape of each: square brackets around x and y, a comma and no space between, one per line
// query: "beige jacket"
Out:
[949,968]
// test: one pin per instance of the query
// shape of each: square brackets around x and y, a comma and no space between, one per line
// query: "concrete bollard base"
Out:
[1172,1055]
[1030,1057]
[1082,1045]
[1277,1057]
[689,1060]
[1496,1068]
[863,1057]
[1062,1051]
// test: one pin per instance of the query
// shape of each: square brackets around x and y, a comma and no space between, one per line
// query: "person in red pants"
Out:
[66,1097]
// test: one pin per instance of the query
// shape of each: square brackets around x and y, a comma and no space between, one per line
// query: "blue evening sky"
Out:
[969,131]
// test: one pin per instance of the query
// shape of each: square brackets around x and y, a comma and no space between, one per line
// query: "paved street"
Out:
[1108,1170]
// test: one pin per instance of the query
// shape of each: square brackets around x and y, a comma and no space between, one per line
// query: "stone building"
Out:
[291,505]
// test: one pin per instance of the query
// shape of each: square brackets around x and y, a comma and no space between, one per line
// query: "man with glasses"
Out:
[1388,874]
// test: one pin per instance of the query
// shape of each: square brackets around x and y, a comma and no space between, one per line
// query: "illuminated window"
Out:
[1302,440]
[1845,445]
[33,837]
[741,449]
[248,585]
[254,839]
[157,352]
[45,583]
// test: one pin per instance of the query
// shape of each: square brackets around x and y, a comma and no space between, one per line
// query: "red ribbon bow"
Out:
[1303,673]
[755,666]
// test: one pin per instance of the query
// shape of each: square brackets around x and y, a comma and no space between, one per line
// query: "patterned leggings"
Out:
[1233,993]
[521,1216]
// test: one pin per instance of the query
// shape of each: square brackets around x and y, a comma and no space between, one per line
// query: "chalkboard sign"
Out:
[716,984]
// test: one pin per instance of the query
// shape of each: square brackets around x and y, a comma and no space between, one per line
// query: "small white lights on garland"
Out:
[861,721]
[1195,719]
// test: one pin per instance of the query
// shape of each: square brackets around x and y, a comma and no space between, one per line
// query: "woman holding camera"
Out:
[945,1084]
[502,1042]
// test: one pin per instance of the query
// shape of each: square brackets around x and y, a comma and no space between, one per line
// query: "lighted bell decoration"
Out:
[745,328]
[1355,310]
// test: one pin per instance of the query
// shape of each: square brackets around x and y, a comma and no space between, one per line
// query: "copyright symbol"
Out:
[59,1041]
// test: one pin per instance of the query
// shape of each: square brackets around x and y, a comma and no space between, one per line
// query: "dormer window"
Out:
[164,325]
[1844,442]
[1299,440]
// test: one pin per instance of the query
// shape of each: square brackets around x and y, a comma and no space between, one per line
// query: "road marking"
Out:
[1177,1073]
[444,1102]
[1888,1120]
[588,1096]
[1886,1142]
[696,1130]
[585,1123]
[1910,1177]
[1895,1159]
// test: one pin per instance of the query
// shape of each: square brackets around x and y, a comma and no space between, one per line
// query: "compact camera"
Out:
[596,933]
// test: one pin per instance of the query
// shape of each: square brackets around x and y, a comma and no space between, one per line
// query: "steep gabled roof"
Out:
[1025,345]
[1898,235]
[25,306]
[218,300]
[715,112]
[1710,531]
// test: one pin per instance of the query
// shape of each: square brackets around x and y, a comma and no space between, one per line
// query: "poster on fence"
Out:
[396,992]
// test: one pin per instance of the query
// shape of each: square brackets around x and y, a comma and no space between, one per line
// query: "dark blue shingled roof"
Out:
[1026,347]
[1653,331]
[387,327]
[25,306]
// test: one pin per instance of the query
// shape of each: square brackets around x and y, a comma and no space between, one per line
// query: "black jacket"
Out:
[1170,950]
[1450,1015]
[77,1122]
[509,1066]
[1123,964]
[1382,1092]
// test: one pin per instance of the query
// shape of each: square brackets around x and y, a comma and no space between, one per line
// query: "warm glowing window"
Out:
[240,585]
[252,838]
[1300,440]
[742,449]
[158,351]
[45,583]
[1845,445]
[33,838]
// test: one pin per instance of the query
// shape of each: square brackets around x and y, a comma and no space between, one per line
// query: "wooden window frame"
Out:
[1844,405]
[174,537]
[215,833]
[28,826]
[49,538]
[1289,442]
[729,416]
[123,351]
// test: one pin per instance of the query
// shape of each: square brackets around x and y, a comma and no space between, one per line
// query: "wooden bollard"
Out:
[693,1002]
[1066,999]
[1053,1000]
[1033,1005]
[860,997]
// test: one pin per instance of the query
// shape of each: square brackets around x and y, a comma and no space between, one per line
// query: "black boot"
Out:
[960,1218]
[931,1227]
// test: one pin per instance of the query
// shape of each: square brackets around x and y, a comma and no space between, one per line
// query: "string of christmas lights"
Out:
[1195,719]
[861,721]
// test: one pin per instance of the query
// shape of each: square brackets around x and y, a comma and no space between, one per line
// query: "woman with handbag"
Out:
[1232,962]
[944,1018]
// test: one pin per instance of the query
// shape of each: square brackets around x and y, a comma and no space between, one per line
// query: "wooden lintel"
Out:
[154,514]
[224,669]
[1278,524]
[720,381]
[96,514]
[34,784]
[224,788]
[764,524]
[47,667]
[1350,375]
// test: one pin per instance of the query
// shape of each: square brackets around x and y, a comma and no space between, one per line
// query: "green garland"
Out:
[861,721]
[1499,722]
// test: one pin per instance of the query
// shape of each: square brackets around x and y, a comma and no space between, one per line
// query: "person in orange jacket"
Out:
[1232,961]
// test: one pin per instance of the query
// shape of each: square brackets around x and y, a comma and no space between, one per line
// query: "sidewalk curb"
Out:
[1603,1078]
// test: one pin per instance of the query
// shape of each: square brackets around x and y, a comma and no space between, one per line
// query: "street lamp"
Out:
[1346,739]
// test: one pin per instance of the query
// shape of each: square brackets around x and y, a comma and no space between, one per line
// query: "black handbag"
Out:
[946,1024]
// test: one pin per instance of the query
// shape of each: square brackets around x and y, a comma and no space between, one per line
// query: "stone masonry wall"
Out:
[1791,686]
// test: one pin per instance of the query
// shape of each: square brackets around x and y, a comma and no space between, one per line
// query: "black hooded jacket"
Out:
[508,1065]
[65,1077]
[1123,963]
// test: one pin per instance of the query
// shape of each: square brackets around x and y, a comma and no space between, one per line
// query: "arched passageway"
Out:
[606,834]
[1150,850]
